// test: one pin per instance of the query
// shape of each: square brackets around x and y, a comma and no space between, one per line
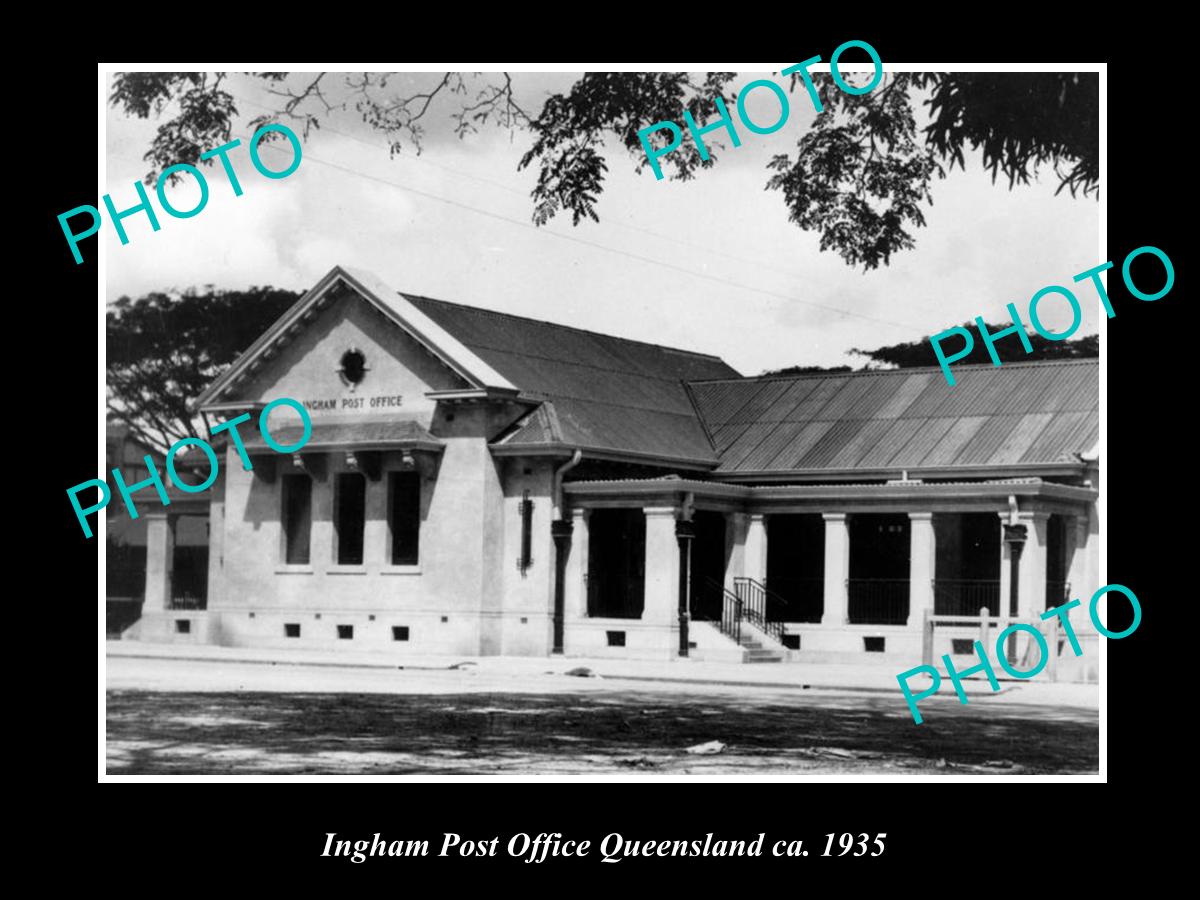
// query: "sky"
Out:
[711,264]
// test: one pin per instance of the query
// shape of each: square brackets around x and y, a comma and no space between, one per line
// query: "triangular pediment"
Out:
[351,347]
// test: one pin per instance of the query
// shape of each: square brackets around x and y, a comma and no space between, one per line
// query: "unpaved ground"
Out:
[574,726]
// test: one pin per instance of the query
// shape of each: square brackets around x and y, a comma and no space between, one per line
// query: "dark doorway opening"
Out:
[967,575]
[1056,561]
[708,565]
[879,569]
[616,563]
[796,567]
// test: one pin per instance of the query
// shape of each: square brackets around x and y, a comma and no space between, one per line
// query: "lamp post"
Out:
[685,532]
[1014,536]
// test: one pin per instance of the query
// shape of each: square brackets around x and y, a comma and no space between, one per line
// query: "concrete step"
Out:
[761,655]
[772,658]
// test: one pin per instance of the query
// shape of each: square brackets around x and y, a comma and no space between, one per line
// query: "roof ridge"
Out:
[588,331]
[1022,364]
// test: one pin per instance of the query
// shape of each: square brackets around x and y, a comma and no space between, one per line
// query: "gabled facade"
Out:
[480,483]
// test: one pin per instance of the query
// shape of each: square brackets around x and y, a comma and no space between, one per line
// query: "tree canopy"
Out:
[912,354]
[860,178]
[164,349]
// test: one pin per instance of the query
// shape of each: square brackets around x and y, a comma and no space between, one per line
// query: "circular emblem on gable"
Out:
[353,367]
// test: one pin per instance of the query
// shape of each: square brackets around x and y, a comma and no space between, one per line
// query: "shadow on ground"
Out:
[583,733]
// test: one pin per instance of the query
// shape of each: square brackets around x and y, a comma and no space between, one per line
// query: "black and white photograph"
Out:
[627,424]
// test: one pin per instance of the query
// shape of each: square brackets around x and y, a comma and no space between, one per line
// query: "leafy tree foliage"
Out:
[164,349]
[912,354]
[860,178]
[570,129]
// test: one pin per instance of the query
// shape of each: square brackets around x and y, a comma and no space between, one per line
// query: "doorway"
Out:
[708,565]
[616,580]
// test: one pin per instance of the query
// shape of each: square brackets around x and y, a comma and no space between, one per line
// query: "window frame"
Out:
[285,480]
[336,562]
[389,549]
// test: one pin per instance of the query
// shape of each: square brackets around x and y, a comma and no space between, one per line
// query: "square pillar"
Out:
[160,559]
[923,559]
[1083,580]
[1031,589]
[837,568]
[1031,592]
[576,572]
[756,548]
[662,566]
[736,527]
[216,550]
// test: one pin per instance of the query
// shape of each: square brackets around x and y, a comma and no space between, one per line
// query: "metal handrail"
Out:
[755,606]
[877,601]
[731,608]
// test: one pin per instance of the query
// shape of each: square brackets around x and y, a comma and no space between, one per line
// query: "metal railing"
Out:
[877,601]
[755,598]
[730,621]
[965,596]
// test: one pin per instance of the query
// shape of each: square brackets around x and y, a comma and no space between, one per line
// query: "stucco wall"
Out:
[453,600]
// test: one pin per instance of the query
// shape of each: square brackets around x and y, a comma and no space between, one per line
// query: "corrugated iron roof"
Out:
[1017,414]
[607,393]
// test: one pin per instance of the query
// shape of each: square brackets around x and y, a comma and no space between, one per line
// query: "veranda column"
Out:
[685,533]
[837,568]
[575,572]
[756,548]
[923,554]
[662,566]
[1031,591]
[160,558]
[1001,604]
[737,527]
[1078,569]
[216,550]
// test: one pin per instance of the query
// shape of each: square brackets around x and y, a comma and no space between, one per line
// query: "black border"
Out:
[273,839]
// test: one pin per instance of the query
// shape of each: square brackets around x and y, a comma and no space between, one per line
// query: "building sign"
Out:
[379,401]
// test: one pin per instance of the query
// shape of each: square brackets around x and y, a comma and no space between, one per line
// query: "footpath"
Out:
[791,676]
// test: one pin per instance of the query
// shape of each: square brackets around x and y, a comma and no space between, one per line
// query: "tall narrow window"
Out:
[351,506]
[404,516]
[297,518]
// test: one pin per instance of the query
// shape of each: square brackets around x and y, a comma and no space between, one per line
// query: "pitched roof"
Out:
[1020,415]
[603,392]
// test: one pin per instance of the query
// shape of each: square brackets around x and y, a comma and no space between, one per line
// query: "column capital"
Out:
[1040,516]
[834,517]
[921,516]
[580,513]
[1035,515]
[659,512]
